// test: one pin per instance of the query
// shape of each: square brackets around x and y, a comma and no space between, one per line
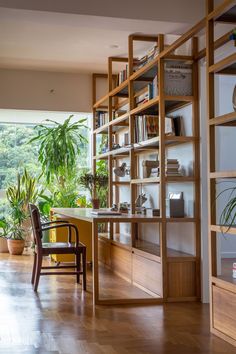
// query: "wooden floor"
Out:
[61,319]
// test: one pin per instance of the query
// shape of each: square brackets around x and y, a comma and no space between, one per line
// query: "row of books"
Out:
[123,75]
[151,54]
[102,118]
[147,127]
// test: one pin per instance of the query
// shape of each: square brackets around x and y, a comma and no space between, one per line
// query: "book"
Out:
[104,212]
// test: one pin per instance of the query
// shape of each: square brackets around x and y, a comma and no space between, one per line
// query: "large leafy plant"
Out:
[59,147]
[228,214]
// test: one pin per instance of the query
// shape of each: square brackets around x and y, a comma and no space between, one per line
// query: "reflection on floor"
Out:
[62,320]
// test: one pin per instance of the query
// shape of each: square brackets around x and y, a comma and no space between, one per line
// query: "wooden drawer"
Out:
[104,252]
[147,273]
[181,279]
[223,311]
[121,261]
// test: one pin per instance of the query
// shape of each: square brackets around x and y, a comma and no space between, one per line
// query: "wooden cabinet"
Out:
[223,311]
[181,279]
[121,261]
[147,273]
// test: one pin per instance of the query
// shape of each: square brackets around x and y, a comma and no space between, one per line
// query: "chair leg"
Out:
[38,271]
[84,268]
[34,268]
[78,266]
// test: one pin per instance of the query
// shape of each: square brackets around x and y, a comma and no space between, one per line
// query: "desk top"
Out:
[86,215]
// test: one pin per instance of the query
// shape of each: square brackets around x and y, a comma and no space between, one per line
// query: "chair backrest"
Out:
[36,224]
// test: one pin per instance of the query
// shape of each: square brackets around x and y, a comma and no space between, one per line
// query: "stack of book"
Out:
[172,167]
[123,75]
[151,54]
[101,118]
[146,127]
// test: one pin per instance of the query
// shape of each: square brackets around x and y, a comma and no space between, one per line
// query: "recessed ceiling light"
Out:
[114,46]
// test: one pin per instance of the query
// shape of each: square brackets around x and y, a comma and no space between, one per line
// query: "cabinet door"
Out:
[121,262]
[223,311]
[147,273]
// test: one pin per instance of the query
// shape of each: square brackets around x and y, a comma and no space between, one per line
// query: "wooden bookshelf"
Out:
[222,285]
[168,265]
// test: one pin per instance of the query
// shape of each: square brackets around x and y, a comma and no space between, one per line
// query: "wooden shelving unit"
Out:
[222,285]
[168,273]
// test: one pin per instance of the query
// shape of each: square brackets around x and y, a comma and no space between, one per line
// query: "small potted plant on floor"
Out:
[13,232]
[3,240]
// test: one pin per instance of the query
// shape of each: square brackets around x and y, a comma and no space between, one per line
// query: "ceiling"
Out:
[72,42]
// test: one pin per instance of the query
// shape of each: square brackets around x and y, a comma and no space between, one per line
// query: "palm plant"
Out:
[59,146]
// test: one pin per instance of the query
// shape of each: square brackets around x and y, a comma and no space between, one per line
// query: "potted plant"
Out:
[227,217]
[19,196]
[94,183]
[13,232]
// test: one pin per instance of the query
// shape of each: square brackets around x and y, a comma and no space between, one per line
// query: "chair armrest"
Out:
[69,226]
[55,222]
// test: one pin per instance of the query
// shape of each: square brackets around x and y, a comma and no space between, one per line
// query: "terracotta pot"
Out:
[95,203]
[16,247]
[3,245]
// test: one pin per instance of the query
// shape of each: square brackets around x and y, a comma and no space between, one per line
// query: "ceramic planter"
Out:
[16,247]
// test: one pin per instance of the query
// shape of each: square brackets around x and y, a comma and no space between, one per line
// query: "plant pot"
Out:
[3,245]
[16,247]
[95,203]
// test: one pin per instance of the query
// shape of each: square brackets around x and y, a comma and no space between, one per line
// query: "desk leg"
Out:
[95,263]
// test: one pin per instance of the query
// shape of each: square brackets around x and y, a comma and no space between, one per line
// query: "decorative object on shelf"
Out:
[122,170]
[175,205]
[141,199]
[114,207]
[126,139]
[115,146]
[152,212]
[94,184]
[124,207]
[172,168]
[148,165]
[234,98]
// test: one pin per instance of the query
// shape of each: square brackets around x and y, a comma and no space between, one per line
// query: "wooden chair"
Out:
[45,249]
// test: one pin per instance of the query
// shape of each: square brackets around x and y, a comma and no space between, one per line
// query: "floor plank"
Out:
[61,320]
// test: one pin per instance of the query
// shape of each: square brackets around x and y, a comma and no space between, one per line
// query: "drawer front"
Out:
[104,252]
[121,261]
[147,273]
[224,310]
[181,279]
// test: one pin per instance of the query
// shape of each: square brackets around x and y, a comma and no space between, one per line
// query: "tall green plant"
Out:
[59,146]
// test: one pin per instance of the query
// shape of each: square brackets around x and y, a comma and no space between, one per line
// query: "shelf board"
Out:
[154,249]
[225,66]
[122,183]
[122,240]
[228,119]
[224,280]
[225,7]
[102,100]
[169,141]
[120,151]
[146,107]
[228,16]
[120,90]
[145,180]
[223,229]
[181,220]
[170,179]
[223,174]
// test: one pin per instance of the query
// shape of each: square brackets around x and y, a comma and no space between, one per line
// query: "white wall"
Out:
[39,90]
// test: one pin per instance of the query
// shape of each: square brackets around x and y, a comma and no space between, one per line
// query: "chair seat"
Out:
[60,248]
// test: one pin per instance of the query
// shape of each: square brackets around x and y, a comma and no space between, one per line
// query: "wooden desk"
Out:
[86,215]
